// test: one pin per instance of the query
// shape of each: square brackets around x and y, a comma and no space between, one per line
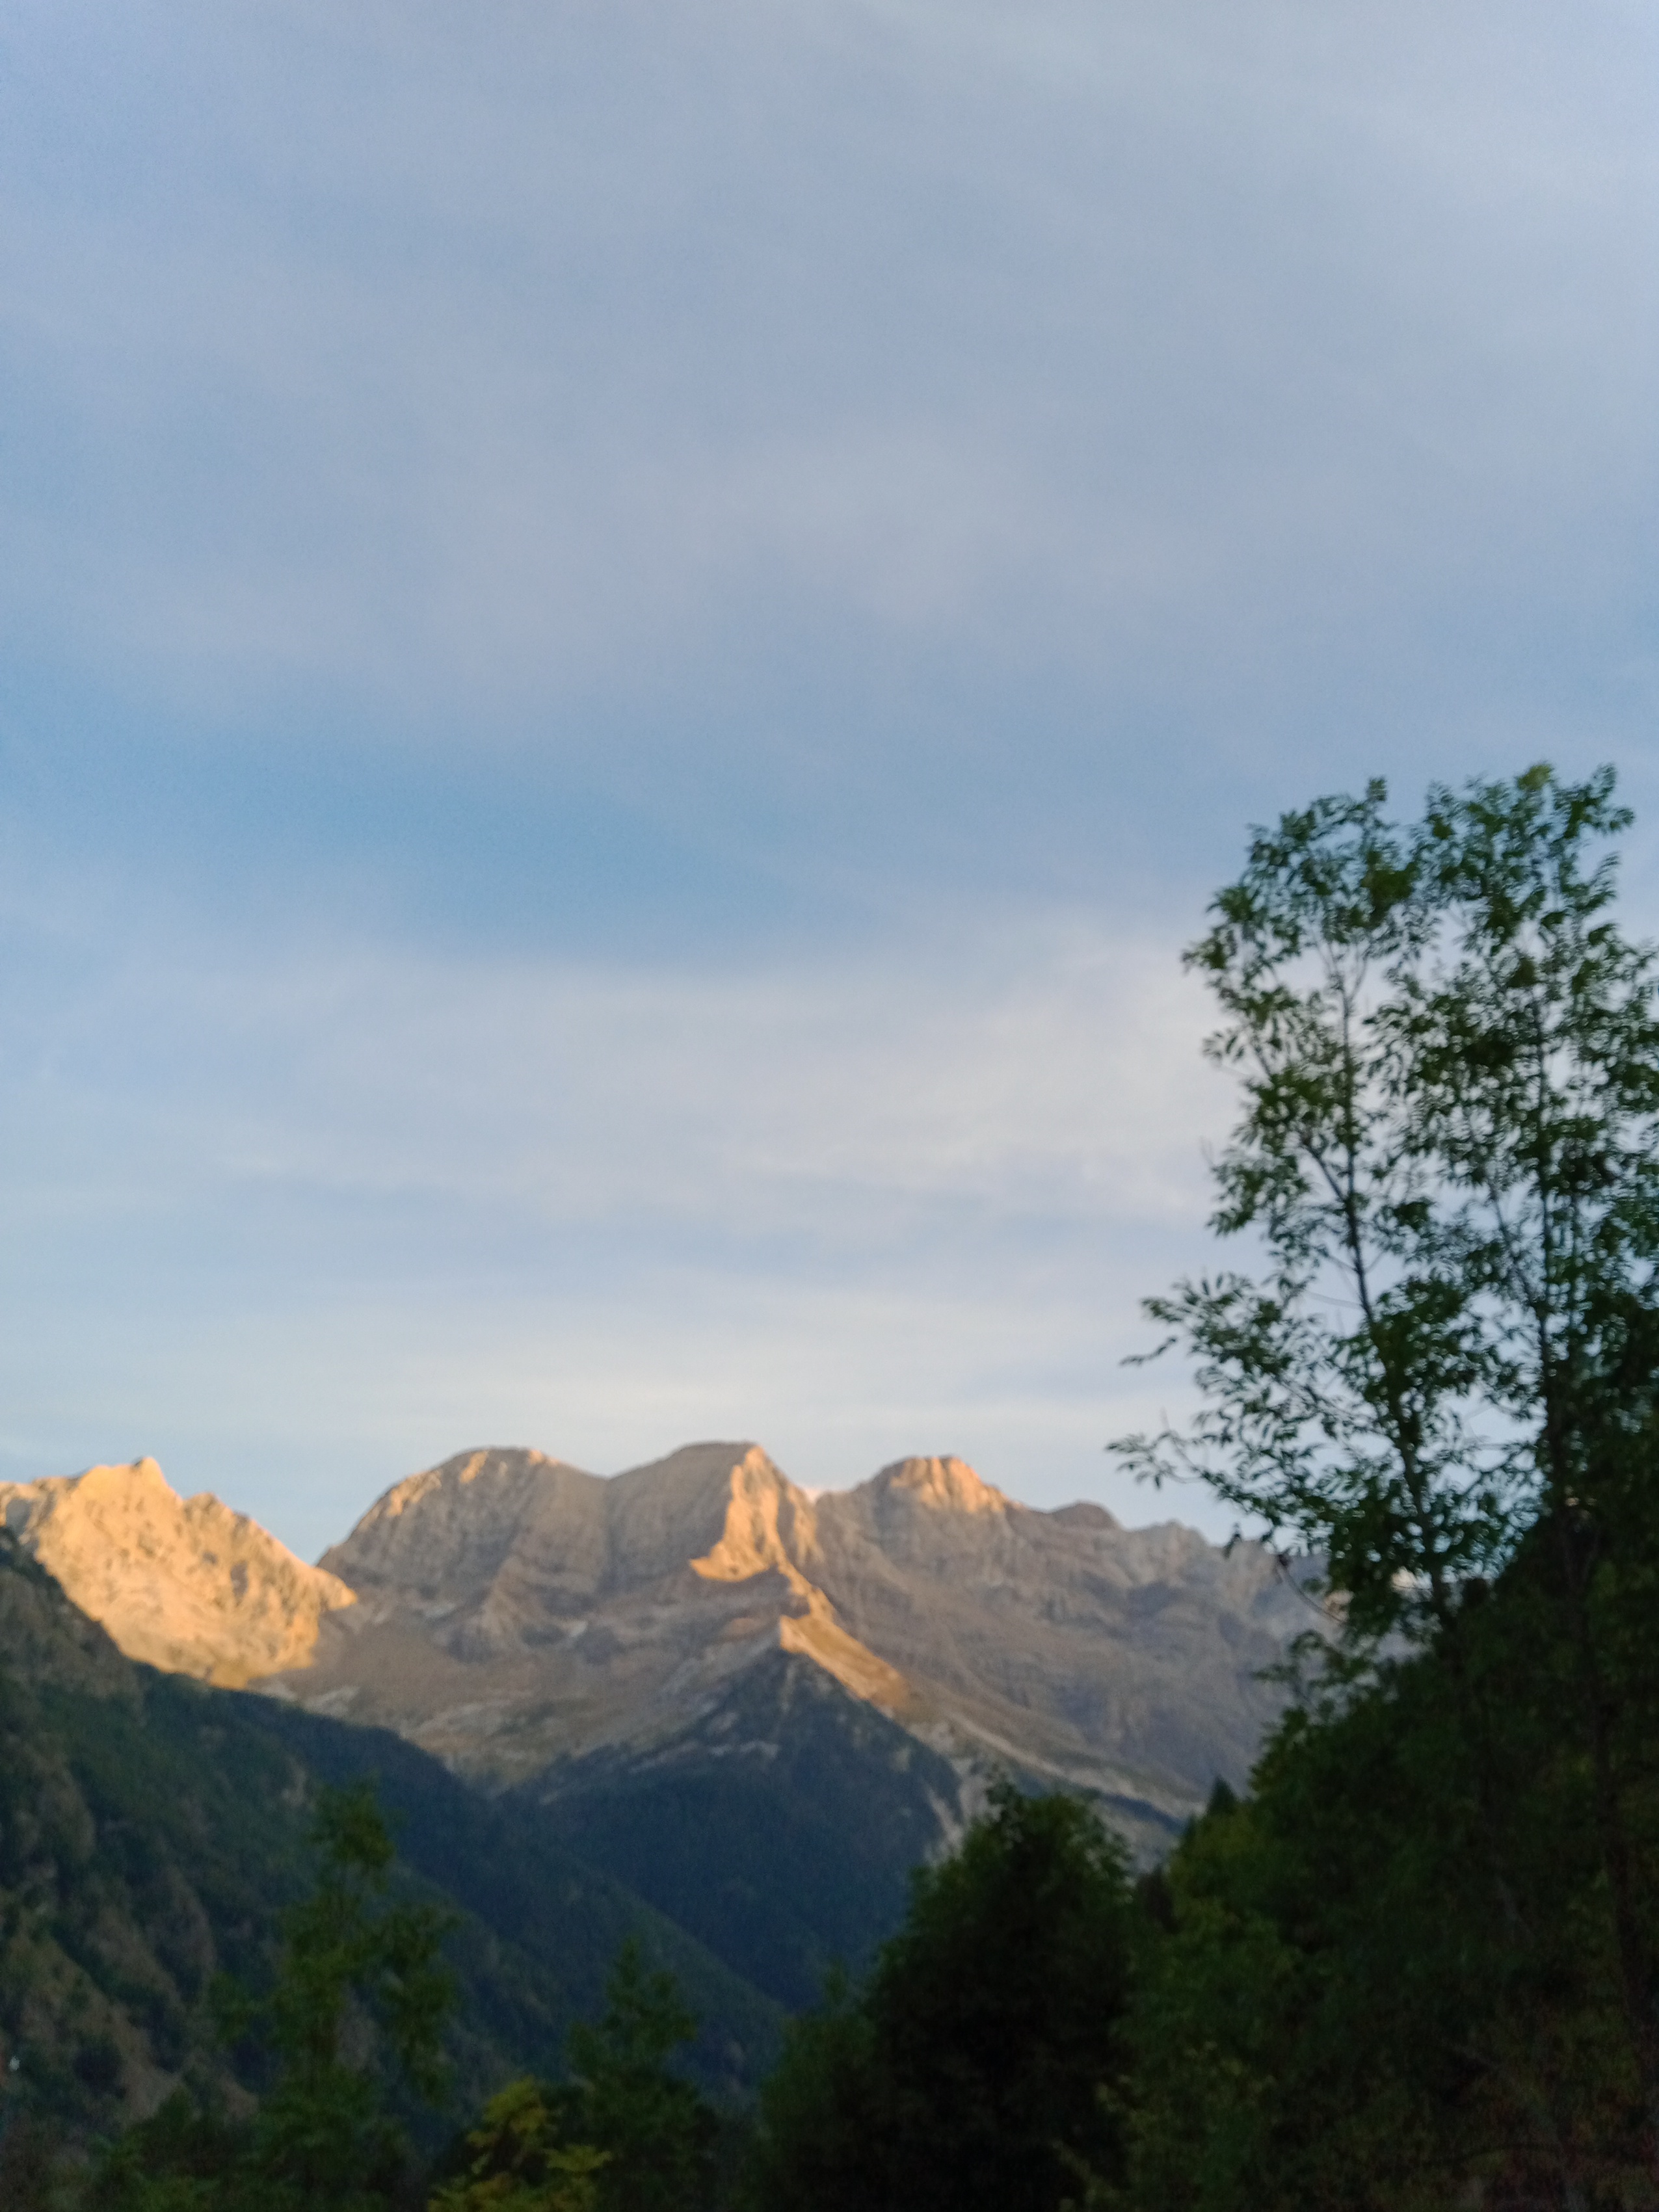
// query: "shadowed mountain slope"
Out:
[152,1830]
[780,1826]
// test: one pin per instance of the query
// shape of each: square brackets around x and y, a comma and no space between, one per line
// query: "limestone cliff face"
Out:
[514,1612]
[1123,1660]
[514,1609]
[182,1583]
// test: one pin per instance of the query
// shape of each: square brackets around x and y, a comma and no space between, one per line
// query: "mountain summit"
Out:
[515,1612]
[757,1707]
[183,1584]
[536,1626]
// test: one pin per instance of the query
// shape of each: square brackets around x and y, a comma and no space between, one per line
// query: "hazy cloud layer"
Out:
[470,358]
[632,636]
[854,1209]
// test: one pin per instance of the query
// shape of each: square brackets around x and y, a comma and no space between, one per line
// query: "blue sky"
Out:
[632,636]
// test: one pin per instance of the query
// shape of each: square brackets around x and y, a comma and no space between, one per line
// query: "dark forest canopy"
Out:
[967,2070]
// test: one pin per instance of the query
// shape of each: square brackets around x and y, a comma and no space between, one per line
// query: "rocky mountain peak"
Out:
[947,1485]
[769,1523]
[126,1481]
[185,1584]
[452,1528]
[515,1613]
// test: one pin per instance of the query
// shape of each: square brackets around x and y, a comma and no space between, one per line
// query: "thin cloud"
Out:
[634,634]
[488,386]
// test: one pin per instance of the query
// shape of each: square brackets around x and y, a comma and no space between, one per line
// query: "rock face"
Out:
[183,1584]
[780,1825]
[756,1708]
[517,1616]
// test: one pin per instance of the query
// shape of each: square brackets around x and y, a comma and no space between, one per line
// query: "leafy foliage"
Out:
[517,2160]
[1343,2005]
[967,2070]
[625,2134]
[1425,1958]
[1450,1155]
[656,2131]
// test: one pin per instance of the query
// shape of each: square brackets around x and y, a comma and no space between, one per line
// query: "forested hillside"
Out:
[154,1832]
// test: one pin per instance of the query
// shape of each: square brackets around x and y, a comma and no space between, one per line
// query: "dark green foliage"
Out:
[1421,1967]
[968,2069]
[359,1994]
[655,2130]
[624,2134]
[187,2155]
[516,2160]
[1450,1152]
[31,2174]
[351,1960]
[1390,1976]
[546,1927]
[152,1833]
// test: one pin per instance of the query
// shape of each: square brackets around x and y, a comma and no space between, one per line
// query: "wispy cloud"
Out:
[632,634]
[835,1200]
[469,363]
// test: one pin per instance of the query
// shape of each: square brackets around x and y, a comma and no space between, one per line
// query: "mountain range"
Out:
[756,1707]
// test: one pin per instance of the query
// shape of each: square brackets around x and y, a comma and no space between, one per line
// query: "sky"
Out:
[631,637]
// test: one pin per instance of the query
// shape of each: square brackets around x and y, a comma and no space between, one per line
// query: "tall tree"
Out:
[361,1981]
[657,2133]
[323,2135]
[968,2070]
[1448,1159]
[625,2134]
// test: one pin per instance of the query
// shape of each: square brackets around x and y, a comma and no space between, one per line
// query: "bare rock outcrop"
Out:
[1123,1661]
[181,1584]
[515,1611]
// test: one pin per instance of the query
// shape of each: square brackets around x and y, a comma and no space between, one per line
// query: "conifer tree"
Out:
[361,1980]
[624,2134]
